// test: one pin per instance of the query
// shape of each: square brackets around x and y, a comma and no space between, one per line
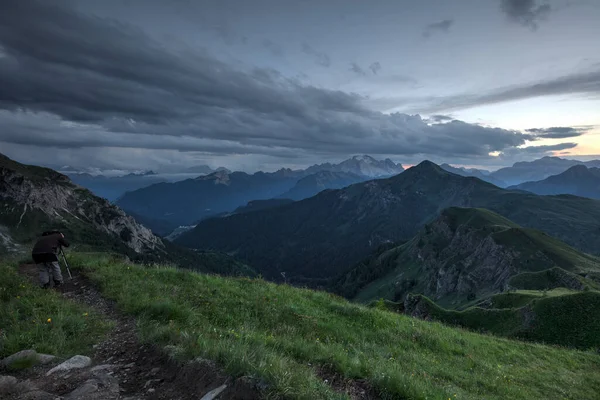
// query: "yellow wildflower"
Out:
[49,320]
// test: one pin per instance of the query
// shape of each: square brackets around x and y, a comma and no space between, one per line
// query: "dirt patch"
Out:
[143,371]
[357,389]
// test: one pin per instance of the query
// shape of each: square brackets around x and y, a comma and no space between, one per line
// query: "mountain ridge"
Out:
[463,255]
[324,235]
[526,171]
[578,180]
[188,201]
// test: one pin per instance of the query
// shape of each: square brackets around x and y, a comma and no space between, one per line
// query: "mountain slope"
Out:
[188,201]
[477,173]
[464,255]
[111,188]
[34,199]
[578,180]
[323,236]
[257,205]
[317,182]
[537,170]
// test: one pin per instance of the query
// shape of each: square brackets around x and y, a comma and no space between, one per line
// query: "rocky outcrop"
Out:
[26,189]
[461,261]
[416,306]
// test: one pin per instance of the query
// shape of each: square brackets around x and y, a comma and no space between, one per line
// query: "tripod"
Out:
[65,261]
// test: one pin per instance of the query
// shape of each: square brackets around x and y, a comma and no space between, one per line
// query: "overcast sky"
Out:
[163,85]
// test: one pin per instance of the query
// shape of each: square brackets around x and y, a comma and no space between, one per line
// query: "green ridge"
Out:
[460,243]
[559,317]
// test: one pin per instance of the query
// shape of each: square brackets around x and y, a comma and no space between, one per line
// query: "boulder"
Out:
[45,358]
[101,387]
[19,360]
[85,391]
[26,358]
[75,362]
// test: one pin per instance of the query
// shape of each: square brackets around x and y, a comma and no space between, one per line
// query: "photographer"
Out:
[45,255]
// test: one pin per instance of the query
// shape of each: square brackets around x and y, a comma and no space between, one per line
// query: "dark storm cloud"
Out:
[320,58]
[70,80]
[525,12]
[584,83]
[559,132]
[442,26]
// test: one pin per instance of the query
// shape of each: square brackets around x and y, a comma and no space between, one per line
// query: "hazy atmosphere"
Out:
[264,84]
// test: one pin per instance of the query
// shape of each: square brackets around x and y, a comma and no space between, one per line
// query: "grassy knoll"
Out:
[282,334]
[558,317]
[33,318]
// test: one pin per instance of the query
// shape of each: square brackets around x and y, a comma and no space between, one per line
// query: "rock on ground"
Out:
[213,394]
[100,387]
[22,355]
[25,356]
[74,362]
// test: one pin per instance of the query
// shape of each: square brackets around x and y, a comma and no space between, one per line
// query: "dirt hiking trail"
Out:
[122,367]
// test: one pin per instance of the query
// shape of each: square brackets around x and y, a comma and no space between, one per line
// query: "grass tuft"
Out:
[42,320]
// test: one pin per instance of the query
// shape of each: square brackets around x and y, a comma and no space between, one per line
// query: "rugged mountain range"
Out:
[464,255]
[191,200]
[323,236]
[205,170]
[363,165]
[312,184]
[578,180]
[34,199]
[537,170]
[477,173]
[111,188]
[186,202]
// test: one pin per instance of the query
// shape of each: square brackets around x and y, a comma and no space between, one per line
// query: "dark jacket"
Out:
[46,248]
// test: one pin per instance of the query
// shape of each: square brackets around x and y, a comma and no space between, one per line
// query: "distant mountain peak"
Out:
[364,158]
[427,165]
[219,177]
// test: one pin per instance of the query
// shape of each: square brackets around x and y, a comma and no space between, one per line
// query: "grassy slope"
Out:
[24,313]
[520,298]
[378,275]
[554,278]
[280,333]
[562,317]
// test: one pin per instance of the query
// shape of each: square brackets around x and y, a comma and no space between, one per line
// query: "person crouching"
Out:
[45,255]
